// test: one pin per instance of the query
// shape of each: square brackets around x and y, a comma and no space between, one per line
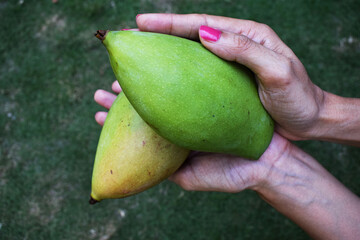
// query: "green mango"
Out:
[130,156]
[188,95]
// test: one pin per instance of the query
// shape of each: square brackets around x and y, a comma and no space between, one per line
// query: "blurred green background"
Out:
[51,65]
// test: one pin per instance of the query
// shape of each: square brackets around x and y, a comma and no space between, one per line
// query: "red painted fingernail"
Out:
[125,29]
[209,34]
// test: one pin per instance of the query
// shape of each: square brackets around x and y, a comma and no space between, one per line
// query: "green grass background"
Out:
[51,65]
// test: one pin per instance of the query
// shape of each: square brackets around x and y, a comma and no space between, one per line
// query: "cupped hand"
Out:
[285,89]
[227,173]
[213,171]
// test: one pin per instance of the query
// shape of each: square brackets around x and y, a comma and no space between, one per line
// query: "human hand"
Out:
[212,171]
[204,171]
[284,176]
[284,87]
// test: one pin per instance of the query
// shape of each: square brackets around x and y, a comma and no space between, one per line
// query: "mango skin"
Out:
[188,95]
[131,157]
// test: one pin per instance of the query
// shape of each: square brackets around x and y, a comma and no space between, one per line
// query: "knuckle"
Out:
[205,18]
[281,75]
[266,28]
[203,15]
[253,24]
[286,73]
[195,17]
[242,43]
[261,27]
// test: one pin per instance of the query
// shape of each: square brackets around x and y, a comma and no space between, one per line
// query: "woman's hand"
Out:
[286,177]
[300,108]
[285,89]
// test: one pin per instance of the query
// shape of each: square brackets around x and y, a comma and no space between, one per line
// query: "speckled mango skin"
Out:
[131,157]
[190,96]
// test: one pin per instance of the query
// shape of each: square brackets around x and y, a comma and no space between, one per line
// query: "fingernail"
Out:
[130,29]
[209,34]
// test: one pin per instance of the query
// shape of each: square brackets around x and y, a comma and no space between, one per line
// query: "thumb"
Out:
[264,62]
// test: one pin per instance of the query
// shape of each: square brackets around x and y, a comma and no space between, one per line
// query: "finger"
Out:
[215,172]
[270,67]
[191,155]
[187,25]
[100,117]
[228,173]
[104,98]
[174,24]
[116,87]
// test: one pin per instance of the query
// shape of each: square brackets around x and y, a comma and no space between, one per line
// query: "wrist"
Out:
[294,178]
[290,178]
[301,189]
[338,120]
[282,174]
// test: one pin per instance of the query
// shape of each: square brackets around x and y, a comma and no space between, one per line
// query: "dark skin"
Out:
[287,178]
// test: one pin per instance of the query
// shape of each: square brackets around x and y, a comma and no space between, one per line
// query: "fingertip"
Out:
[139,21]
[97,95]
[154,22]
[104,98]
[116,87]
[175,178]
[100,117]
[100,95]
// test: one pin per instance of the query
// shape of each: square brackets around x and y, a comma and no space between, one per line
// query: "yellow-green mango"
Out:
[130,156]
[188,95]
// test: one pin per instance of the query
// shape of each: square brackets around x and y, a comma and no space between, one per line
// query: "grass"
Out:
[50,67]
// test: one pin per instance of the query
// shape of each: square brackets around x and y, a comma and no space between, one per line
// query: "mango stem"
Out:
[101,34]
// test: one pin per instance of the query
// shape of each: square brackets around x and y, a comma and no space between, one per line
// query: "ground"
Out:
[50,67]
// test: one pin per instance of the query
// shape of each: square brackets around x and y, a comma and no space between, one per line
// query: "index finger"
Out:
[187,25]
[184,25]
